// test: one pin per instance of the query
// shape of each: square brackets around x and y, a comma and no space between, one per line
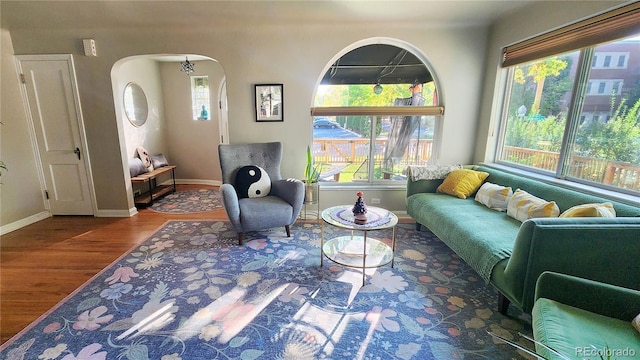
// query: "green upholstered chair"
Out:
[582,318]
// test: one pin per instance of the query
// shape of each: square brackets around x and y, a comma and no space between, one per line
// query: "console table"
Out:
[155,191]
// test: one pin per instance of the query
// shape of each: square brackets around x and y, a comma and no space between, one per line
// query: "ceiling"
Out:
[365,65]
[210,13]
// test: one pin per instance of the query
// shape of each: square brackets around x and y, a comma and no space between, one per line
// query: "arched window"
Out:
[375,112]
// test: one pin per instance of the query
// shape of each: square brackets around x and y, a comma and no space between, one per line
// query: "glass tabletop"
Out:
[342,216]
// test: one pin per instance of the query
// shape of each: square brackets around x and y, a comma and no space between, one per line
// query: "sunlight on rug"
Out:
[190,292]
[188,202]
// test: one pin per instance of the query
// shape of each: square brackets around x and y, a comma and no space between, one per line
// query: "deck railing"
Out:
[356,151]
[615,173]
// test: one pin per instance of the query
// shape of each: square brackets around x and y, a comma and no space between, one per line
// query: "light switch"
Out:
[89,47]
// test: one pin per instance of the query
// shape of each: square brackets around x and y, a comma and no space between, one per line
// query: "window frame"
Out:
[376,113]
[582,88]
[192,87]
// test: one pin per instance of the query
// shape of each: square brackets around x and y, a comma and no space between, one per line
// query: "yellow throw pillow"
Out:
[462,182]
[591,210]
[494,196]
[523,206]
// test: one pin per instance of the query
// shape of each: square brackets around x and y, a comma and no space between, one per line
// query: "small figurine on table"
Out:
[360,209]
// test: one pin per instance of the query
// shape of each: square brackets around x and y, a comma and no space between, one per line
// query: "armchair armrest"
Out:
[600,298]
[291,191]
[231,205]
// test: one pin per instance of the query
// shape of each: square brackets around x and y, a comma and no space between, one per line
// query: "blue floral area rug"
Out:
[190,292]
[188,202]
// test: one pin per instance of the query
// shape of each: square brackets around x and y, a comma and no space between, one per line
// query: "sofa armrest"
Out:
[596,297]
[422,186]
[600,249]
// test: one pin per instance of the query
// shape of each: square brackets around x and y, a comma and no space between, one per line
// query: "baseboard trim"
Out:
[5,229]
[198,182]
[116,213]
[401,214]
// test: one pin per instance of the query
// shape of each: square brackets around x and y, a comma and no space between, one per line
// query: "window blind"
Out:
[612,25]
[377,110]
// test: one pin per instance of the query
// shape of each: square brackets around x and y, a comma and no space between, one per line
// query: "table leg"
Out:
[364,258]
[393,246]
[321,243]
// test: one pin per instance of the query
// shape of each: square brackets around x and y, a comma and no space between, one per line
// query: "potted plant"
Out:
[311,175]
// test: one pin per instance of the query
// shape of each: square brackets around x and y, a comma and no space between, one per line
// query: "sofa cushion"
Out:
[159,161]
[523,206]
[572,331]
[462,182]
[494,196]
[591,210]
[136,167]
[486,238]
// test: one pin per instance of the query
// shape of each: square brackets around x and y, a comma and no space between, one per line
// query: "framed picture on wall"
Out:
[269,102]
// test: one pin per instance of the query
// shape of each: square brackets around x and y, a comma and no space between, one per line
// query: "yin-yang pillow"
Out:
[252,182]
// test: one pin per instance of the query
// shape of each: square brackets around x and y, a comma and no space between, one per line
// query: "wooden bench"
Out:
[155,191]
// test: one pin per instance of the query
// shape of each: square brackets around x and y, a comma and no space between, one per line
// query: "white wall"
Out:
[20,190]
[294,55]
[150,135]
[290,52]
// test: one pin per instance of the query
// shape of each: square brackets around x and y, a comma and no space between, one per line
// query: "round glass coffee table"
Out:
[358,251]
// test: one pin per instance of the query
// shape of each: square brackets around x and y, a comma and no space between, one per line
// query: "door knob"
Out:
[77,152]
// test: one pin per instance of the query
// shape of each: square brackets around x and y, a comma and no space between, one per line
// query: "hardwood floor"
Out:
[42,263]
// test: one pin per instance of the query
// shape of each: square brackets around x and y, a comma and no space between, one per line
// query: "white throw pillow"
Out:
[494,196]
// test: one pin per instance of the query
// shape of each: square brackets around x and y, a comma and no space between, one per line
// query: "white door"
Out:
[54,107]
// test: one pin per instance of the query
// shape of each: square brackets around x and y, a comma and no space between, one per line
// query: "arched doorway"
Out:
[173,127]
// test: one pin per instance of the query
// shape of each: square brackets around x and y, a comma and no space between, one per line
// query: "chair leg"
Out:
[288,229]
[503,304]
[239,238]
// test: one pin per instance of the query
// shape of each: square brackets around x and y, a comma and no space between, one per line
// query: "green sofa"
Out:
[511,255]
[584,319]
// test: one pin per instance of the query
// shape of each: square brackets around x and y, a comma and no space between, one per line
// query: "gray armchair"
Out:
[280,208]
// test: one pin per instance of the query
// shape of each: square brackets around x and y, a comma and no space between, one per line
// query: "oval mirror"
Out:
[135,104]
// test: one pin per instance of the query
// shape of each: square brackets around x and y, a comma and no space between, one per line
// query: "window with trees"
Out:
[375,113]
[575,114]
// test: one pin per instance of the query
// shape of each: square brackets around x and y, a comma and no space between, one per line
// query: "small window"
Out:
[200,97]
[616,88]
[622,61]
[607,61]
